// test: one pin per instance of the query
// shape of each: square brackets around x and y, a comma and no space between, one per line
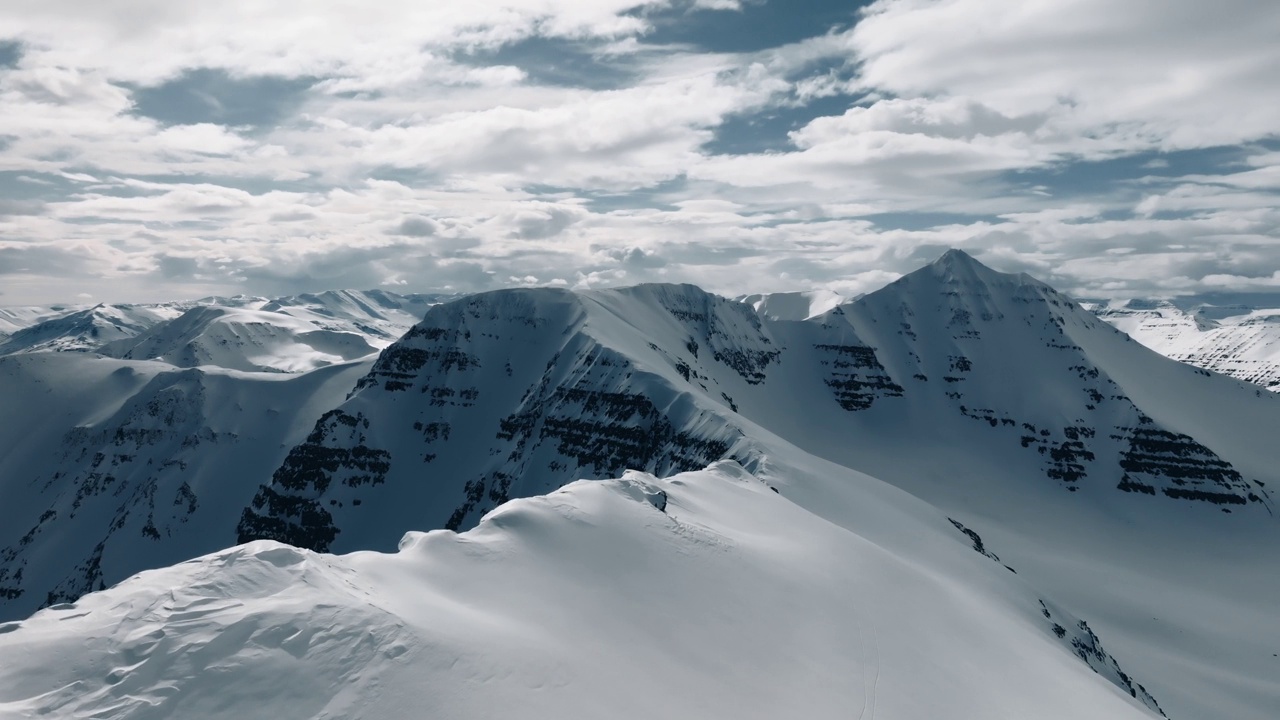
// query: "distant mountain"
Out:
[289,334]
[83,330]
[379,315]
[13,319]
[541,385]
[1242,341]
[1038,433]
[251,340]
[793,305]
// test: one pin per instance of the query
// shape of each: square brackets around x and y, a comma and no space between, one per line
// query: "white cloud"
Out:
[1158,73]
[500,178]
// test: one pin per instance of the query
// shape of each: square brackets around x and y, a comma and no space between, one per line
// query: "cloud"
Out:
[740,145]
[417,226]
[538,222]
[1157,74]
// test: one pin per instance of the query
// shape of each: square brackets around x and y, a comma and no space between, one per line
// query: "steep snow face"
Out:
[251,340]
[793,305]
[1240,341]
[115,466]
[83,330]
[703,595]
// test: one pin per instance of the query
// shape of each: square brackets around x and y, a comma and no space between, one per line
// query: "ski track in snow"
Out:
[870,666]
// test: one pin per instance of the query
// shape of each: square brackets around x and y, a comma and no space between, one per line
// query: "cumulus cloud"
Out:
[417,226]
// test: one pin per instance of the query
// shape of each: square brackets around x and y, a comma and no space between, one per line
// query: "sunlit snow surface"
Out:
[705,595]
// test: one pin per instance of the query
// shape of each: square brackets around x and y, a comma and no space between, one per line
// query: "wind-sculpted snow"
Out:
[702,595]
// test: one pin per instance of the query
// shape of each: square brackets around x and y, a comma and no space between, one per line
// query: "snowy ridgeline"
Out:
[1021,425]
[703,595]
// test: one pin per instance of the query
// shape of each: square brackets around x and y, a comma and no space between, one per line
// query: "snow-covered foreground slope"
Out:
[1240,341]
[705,595]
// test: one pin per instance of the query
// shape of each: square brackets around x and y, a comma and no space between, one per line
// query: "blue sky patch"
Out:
[208,95]
[758,25]
[10,53]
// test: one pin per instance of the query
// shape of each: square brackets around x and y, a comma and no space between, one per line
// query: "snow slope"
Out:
[704,595]
[1240,341]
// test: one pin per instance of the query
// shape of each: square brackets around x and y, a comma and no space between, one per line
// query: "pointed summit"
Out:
[959,266]
[956,256]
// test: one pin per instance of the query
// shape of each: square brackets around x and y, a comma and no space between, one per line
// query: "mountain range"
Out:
[1240,339]
[938,499]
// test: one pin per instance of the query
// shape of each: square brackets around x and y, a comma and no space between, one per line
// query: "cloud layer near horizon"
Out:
[158,150]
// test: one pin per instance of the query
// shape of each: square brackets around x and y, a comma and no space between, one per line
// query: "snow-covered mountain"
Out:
[379,315]
[252,340]
[1122,487]
[15,318]
[1242,341]
[793,305]
[290,334]
[538,386]
[80,330]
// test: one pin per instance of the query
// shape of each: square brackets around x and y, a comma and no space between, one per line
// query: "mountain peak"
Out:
[960,264]
[955,255]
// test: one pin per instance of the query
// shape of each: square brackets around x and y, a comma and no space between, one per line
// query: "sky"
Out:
[155,150]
